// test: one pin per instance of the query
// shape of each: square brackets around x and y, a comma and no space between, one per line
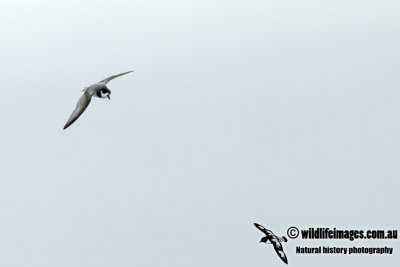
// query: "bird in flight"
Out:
[98,90]
[274,240]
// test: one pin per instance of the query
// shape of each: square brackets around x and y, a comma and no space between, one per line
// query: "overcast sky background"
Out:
[277,112]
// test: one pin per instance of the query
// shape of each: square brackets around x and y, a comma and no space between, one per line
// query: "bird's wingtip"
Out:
[284,259]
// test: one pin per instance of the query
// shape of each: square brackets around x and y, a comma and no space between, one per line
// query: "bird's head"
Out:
[105,92]
[264,239]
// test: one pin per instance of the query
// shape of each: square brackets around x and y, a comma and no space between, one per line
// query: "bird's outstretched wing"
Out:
[262,228]
[279,251]
[82,104]
[105,81]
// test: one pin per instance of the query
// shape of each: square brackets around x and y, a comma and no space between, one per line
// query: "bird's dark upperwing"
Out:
[279,250]
[260,227]
[264,230]
[82,104]
[105,81]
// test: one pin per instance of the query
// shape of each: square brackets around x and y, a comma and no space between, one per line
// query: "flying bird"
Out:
[98,90]
[274,240]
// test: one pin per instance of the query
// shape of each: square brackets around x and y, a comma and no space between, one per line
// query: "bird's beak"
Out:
[108,97]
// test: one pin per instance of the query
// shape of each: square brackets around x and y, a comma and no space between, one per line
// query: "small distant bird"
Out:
[98,90]
[274,240]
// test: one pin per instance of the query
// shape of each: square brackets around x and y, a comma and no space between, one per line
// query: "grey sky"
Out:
[277,112]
